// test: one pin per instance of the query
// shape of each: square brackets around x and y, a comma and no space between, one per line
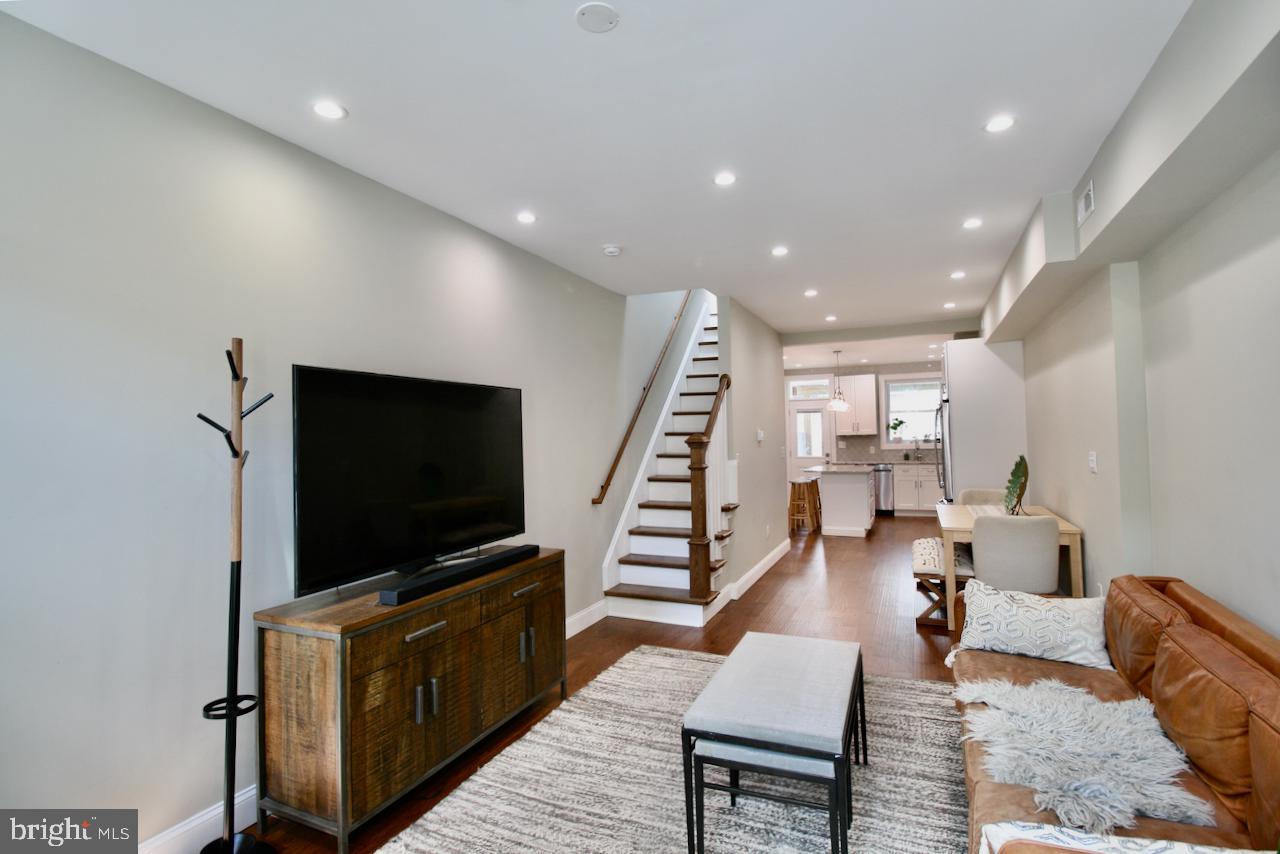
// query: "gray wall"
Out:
[755,402]
[1210,308]
[139,231]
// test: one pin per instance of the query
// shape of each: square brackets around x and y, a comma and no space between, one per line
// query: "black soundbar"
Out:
[429,581]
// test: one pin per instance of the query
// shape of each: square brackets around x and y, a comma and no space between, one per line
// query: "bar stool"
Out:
[798,512]
[815,503]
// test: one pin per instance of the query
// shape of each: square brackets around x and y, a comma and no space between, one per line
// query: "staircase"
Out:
[667,563]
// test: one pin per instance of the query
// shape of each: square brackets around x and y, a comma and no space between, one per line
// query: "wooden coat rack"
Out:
[234,705]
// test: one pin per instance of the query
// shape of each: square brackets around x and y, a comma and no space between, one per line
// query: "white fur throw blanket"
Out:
[1095,764]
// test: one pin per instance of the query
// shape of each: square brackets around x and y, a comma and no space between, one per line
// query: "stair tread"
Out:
[681,433]
[659,594]
[709,328]
[668,456]
[725,534]
[729,507]
[669,478]
[691,412]
[702,377]
[697,394]
[709,343]
[666,505]
[664,561]
[706,358]
[660,531]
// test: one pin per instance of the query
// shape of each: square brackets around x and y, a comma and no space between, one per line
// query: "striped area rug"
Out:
[602,773]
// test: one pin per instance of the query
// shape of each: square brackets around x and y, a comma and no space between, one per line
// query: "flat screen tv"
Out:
[390,473]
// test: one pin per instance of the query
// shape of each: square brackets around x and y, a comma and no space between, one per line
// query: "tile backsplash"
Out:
[857,449]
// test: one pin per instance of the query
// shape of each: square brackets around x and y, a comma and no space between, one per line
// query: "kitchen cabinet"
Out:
[915,486]
[860,393]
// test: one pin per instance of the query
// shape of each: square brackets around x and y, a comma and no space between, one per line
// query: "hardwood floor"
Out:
[835,587]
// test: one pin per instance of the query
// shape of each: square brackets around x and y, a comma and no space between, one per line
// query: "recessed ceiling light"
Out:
[958,274]
[999,123]
[973,222]
[798,365]
[864,361]
[597,17]
[327,109]
[933,346]
[779,251]
[811,293]
[932,356]
[948,305]
[725,179]
[527,217]
[831,318]
[612,250]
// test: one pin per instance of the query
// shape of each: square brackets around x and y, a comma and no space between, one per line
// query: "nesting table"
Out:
[785,706]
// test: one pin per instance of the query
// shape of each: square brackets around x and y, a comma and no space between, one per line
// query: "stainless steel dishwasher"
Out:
[884,487]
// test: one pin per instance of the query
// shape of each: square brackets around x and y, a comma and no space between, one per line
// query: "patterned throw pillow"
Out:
[1059,629]
[998,838]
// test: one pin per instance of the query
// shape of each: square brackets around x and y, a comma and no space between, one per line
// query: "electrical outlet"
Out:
[1093,461]
[842,444]
[759,435]
[873,449]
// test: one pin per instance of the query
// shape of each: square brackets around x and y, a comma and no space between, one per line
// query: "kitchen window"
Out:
[915,401]
[809,388]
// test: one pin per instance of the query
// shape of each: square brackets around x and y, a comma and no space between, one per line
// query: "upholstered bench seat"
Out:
[926,558]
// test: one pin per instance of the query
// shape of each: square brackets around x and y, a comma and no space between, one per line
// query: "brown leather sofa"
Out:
[1214,679]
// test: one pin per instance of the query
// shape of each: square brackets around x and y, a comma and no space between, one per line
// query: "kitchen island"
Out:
[848,498]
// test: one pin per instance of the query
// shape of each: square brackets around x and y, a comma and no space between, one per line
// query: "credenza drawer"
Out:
[500,598]
[388,644]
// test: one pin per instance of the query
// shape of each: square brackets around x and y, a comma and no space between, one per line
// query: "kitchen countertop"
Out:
[840,468]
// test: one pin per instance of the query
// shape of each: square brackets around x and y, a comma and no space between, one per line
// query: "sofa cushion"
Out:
[1203,690]
[1264,759]
[1136,616]
[974,665]
[1021,837]
[995,802]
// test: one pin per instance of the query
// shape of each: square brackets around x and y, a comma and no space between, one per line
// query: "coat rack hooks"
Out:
[233,704]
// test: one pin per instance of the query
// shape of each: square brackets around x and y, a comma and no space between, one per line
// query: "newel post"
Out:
[699,541]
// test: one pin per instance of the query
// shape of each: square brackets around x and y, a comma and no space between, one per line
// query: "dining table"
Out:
[956,521]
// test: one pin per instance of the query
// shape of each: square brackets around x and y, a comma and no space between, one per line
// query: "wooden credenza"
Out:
[360,702]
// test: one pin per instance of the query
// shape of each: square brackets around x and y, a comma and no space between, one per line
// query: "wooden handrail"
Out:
[644,395]
[699,540]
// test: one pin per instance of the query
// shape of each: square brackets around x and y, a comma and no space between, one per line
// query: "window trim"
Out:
[787,381]
[885,379]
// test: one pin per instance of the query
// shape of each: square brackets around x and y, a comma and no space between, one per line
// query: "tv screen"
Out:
[392,472]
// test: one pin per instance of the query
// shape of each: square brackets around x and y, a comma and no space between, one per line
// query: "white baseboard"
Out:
[585,618]
[743,584]
[843,532]
[190,835]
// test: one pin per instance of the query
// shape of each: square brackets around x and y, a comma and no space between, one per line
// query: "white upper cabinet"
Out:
[860,392]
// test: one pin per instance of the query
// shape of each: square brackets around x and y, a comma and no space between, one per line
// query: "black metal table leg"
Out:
[733,781]
[687,749]
[700,817]
[834,814]
[862,716]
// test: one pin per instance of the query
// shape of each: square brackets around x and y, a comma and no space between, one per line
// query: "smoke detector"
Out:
[597,17]
[612,250]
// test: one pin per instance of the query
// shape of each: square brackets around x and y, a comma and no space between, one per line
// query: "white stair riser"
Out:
[708,350]
[702,383]
[701,402]
[688,422]
[668,465]
[653,576]
[668,492]
[666,518]
[705,367]
[677,445]
[669,546]
[674,613]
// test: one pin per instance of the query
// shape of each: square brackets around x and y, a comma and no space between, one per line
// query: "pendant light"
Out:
[838,403]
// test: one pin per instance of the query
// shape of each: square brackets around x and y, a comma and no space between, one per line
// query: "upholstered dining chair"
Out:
[1016,552]
[981,496]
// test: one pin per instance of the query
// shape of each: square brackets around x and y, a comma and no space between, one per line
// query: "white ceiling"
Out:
[855,128]
[879,351]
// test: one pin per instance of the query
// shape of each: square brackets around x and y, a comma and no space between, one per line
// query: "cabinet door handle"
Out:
[523,638]
[417,705]
[422,633]
[529,589]
[533,648]
[434,682]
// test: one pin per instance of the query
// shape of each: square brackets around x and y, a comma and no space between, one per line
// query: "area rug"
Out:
[603,773]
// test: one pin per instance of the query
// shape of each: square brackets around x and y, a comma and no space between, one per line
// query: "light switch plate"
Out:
[1093,461]
[759,435]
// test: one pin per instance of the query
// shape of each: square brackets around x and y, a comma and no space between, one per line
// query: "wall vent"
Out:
[1084,204]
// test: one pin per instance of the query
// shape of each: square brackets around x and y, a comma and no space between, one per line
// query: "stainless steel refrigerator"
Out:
[981,424]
